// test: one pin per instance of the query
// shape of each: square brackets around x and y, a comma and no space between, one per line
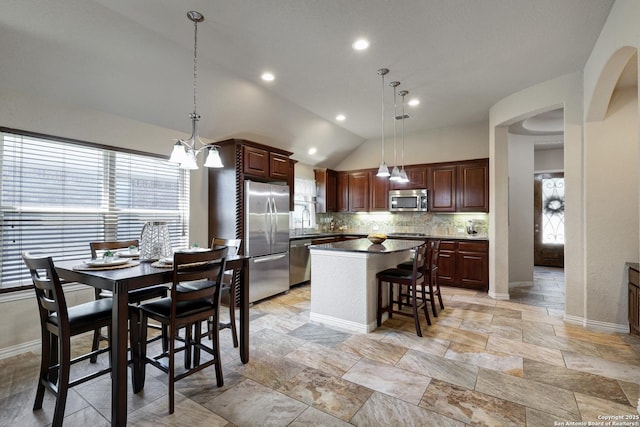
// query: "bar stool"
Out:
[408,285]
[228,290]
[431,271]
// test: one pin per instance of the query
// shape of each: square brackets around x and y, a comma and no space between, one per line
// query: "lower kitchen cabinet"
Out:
[464,264]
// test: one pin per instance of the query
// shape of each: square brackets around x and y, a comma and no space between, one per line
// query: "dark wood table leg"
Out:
[244,312]
[119,332]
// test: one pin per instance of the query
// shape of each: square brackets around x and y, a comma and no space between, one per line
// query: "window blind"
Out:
[57,196]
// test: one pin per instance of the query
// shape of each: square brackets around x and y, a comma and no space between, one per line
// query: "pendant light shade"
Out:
[213,158]
[383,170]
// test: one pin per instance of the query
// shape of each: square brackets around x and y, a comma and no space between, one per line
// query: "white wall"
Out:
[549,161]
[521,157]
[439,145]
[612,233]
[611,165]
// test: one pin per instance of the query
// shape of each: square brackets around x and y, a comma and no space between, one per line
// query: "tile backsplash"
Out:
[406,222]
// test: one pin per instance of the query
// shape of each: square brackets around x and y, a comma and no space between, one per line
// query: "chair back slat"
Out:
[232,244]
[420,261]
[48,288]
[206,267]
[112,245]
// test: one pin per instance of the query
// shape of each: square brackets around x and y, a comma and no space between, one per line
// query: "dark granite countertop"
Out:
[364,245]
[389,235]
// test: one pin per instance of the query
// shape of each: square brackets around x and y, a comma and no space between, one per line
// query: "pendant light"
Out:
[383,170]
[403,174]
[395,172]
[185,151]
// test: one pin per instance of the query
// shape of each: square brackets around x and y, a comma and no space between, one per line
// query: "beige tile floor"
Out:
[483,362]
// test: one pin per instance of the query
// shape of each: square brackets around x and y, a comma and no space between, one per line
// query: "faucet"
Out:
[306,216]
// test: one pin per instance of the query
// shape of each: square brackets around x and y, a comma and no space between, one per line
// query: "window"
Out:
[58,195]
[553,211]
[304,212]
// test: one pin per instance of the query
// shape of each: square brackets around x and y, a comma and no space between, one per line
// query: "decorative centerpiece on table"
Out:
[107,256]
[377,238]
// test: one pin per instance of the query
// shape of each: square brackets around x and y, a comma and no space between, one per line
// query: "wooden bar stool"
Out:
[431,271]
[406,289]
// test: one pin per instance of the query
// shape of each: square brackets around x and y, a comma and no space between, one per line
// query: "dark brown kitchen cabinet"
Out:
[464,264]
[326,190]
[442,187]
[379,200]
[459,187]
[417,175]
[634,301]
[358,191]
[255,161]
[472,263]
[342,192]
[263,163]
[473,186]
[447,263]
[278,166]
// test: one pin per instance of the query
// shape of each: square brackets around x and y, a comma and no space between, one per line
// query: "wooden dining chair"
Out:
[187,309]
[229,284]
[58,323]
[135,296]
[404,282]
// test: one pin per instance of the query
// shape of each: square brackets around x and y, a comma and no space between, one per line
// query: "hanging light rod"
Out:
[185,151]
[383,170]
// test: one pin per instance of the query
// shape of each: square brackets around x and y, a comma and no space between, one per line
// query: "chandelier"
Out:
[186,151]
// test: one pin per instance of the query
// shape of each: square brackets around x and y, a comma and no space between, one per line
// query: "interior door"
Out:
[548,205]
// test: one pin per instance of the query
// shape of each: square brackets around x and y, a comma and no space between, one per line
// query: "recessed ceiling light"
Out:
[268,77]
[313,150]
[414,102]
[360,44]
[341,117]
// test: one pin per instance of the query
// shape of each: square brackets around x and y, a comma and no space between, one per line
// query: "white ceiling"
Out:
[134,58]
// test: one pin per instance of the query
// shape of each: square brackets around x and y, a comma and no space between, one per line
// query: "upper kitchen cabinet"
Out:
[442,187]
[473,186]
[359,192]
[459,187]
[265,162]
[379,200]
[342,192]
[326,190]
[417,175]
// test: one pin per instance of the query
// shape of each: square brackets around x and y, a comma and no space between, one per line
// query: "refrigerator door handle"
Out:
[269,258]
[267,222]
[274,219]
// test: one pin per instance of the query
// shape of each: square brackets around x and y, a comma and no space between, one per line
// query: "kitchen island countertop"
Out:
[404,236]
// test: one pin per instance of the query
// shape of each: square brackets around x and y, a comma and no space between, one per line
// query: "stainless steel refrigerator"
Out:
[267,238]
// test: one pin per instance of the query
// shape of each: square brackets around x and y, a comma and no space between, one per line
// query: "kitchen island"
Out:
[343,280]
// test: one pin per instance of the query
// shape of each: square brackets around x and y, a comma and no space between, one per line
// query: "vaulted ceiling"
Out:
[134,58]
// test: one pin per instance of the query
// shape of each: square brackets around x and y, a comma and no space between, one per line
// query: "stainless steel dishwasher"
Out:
[299,262]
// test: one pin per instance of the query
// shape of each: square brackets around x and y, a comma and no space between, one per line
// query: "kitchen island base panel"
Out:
[344,288]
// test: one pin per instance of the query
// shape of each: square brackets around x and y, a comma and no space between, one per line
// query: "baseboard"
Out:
[597,325]
[25,347]
[498,295]
[342,324]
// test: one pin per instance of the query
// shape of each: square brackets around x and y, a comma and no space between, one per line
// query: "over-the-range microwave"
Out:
[408,201]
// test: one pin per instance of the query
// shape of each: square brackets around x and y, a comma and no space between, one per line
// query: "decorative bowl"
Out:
[376,238]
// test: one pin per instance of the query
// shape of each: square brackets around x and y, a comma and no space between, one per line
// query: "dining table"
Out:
[137,275]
